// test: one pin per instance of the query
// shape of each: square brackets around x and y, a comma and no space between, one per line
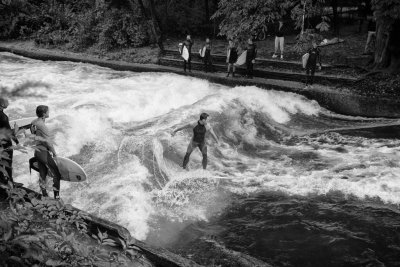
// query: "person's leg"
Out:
[190,63]
[282,44]
[234,69]
[369,38]
[312,74]
[205,64]
[248,68]
[9,152]
[56,173]
[187,155]
[184,65]
[203,149]
[276,46]
[307,76]
[229,70]
[41,157]
[251,69]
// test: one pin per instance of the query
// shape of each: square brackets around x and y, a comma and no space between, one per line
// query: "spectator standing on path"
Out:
[371,34]
[188,43]
[208,66]
[313,58]
[231,57]
[7,136]
[279,38]
[251,57]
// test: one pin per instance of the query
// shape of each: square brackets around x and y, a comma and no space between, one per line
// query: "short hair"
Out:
[203,116]
[41,110]
[3,102]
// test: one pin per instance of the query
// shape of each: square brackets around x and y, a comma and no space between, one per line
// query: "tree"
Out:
[387,51]
[243,18]
[151,16]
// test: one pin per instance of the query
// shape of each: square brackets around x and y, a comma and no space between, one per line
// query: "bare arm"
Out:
[214,135]
[182,128]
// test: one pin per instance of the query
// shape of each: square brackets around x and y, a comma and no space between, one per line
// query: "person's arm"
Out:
[319,59]
[214,135]
[182,128]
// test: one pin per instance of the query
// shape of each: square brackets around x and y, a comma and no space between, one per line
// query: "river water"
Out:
[282,187]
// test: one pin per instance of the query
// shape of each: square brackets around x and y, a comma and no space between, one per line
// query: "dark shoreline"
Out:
[342,102]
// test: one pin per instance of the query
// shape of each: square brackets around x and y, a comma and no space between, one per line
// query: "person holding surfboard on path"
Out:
[44,146]
[208,66]
[7,136]
[311,65]
[231,57]
[251,57]
[188,43]
[198,140]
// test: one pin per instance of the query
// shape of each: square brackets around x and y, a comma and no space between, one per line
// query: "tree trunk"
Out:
[387,51]
[207,9]
[334,4]
[155,25]
[152,19]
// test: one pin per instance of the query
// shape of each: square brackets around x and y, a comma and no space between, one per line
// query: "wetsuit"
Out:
[208,66]
[45,160]
[199,133]
[314,56]
[188,44]
[6,145]
[251,55]
[232,55]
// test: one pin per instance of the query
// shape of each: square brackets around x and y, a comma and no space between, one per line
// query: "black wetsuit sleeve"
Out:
[5,124]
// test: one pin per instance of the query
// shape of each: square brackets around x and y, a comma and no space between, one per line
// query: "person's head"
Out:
[230,42]
[188,37]
[250,40]
[203,117]
[314,43]
[280,21]
[42,111]
[207,40]
[3,103]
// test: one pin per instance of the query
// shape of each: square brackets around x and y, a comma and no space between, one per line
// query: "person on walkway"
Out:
[250,57]
[313,58]
[371,34]
[44,145]
[279,38]
[231,57]
[188,43]
[208,66]
[6,137]
[198,140]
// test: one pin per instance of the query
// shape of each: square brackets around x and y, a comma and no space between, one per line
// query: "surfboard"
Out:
[242,59]
[304,59]
[202,51]
[24,123]
[69,169]
[185,53]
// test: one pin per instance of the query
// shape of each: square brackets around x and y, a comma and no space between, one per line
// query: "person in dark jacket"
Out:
[7,136]
[371,34]
[231,58]
[44,145]
[199,133]
[188,43]
[313,58]
[251,57]
[279,38]
[208,66]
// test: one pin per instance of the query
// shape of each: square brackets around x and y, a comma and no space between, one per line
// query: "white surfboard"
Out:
[304,59]
[242,59]
[69,169]
[185,53]
[202,51]
[24,123]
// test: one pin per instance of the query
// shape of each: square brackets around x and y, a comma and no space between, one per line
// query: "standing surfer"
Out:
[6,144]
[42,151]
[198,140]
[188,43]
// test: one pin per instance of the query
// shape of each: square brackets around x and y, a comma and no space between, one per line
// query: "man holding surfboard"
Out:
[44,146]
[188,43]
[7,136]
[198,140]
